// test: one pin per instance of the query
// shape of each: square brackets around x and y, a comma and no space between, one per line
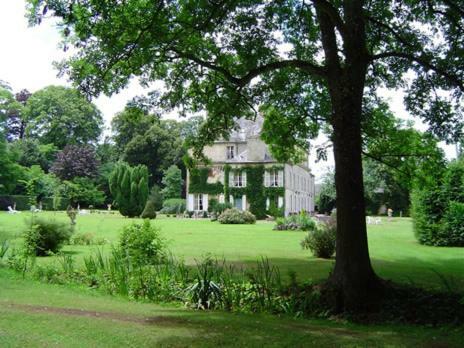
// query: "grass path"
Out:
[33,314]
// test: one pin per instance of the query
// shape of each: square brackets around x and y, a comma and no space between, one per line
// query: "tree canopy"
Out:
[60,116]
[313,63]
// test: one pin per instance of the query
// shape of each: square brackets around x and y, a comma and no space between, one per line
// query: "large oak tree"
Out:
[60,116]
[315,62]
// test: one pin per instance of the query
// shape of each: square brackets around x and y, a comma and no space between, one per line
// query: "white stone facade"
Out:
[245,148]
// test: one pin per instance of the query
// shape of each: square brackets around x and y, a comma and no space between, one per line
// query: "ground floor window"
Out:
[198,202]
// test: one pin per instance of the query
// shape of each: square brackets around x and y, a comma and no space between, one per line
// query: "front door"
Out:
[238,203]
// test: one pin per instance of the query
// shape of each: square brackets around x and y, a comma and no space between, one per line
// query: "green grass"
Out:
[37,314]
[394,251]
[34,314]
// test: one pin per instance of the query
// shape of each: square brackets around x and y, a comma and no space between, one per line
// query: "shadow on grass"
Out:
[441,274]
[257,330]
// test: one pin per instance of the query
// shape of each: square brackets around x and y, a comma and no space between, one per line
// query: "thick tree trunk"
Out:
[354,280]
[353,277]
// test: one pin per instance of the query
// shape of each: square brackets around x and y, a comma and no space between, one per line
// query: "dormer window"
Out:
[230,152]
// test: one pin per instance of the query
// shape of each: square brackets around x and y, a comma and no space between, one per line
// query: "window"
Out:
[230,152]
[198,202]
[239,179]
[276,201]
[274,178]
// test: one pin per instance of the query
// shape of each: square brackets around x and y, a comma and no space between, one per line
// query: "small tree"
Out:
[75,160]
[129,188]
[173,182]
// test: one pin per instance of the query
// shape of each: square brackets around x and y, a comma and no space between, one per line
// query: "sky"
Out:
[27,54]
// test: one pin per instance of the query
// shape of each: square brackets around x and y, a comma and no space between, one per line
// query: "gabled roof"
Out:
[245,129]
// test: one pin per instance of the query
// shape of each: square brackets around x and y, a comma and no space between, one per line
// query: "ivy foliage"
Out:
[199,182]
[254,190]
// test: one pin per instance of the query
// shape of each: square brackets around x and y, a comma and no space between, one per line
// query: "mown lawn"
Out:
[34,314]
[394,251]
[37,314]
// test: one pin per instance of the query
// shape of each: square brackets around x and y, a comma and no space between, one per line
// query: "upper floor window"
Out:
[239,179]
[230,152]
[274,178]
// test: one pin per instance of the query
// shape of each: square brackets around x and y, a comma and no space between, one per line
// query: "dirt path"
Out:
[155,320]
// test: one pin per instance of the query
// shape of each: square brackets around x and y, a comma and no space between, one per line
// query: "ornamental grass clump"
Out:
[235,216]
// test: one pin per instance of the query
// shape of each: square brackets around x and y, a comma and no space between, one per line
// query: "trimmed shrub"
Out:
[150,210]
[22,202]
[142,244]
[44,236]
[173,206]
[235,216]
[302,222]
[321,241]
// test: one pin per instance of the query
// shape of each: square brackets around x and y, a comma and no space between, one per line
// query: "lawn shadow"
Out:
[441,274]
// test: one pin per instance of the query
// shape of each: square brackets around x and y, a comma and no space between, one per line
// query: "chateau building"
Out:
[243,173]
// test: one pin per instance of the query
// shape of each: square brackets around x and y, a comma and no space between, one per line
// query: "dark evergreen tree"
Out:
[129,188]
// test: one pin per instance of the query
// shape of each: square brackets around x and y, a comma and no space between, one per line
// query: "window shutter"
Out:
[205,202]
[281,178]
[280,202]
[267,179]
[244,179]
[190,205]
[267,203]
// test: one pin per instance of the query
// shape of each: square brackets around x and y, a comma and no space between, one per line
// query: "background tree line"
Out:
[51,146]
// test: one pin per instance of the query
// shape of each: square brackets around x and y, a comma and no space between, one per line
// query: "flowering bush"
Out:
[301,221]
[235,216]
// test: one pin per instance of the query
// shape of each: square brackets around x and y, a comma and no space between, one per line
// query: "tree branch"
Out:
[378,159]
[390,29]
[308,67]
[454,7]
[453,79]
[332,13]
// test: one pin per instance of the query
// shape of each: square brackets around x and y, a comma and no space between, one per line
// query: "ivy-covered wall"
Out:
[199,182]
[255,190]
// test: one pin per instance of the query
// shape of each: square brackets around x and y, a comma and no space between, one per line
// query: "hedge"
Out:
[22,202]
